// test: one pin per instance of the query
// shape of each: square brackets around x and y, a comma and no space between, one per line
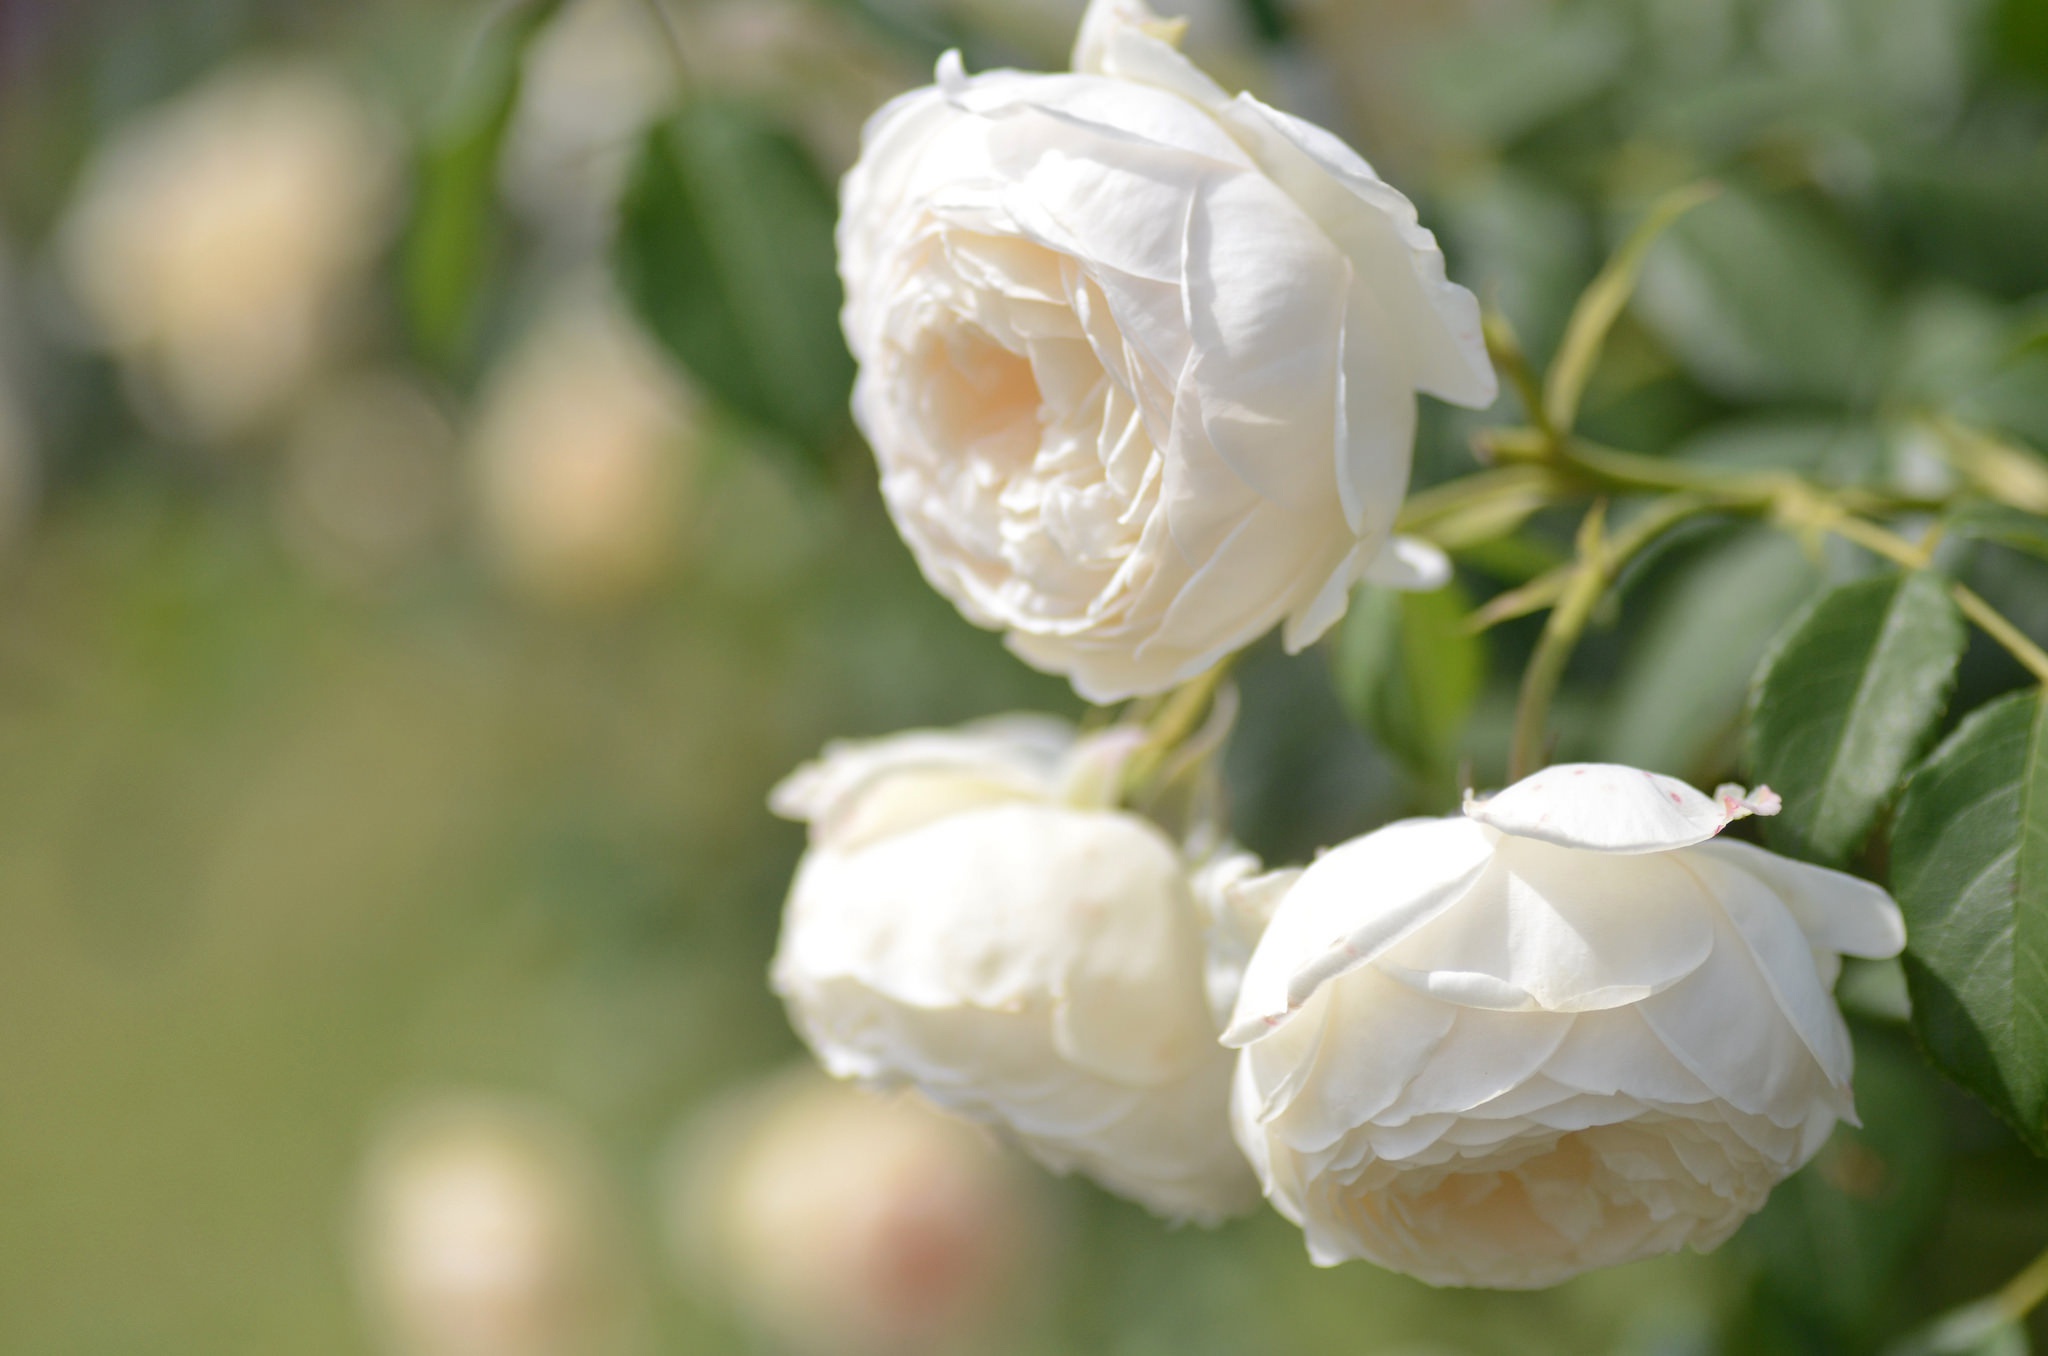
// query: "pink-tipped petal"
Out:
[1739,804]
[1604,807]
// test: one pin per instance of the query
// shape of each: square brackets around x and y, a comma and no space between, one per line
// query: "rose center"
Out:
[980,398]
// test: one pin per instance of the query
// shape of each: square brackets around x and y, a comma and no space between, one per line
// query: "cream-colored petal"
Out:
[1785,959]
[1559,930]
[1837,911]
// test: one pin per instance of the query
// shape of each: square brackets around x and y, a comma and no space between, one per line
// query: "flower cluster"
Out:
[1139,364]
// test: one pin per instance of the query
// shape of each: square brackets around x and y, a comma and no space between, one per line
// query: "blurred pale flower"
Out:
[605,70]
[582,457]
[1562,1031]
[479,1234]
[976,919]
[594,79]
[842,1222]
[366,484]
[214,242]
[1139,360]
[814,64]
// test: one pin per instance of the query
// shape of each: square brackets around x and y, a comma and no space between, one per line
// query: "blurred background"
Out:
[429,524]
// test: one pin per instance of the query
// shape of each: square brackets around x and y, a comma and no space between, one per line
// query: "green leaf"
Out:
[1844,702]
[1678,698]
[448,242]
[1761,299]
[1970,869]
[725,252]
[1947,341]
[1829,449]
[1972,206]
[1509,79]
[2013,397]
[2020,41]
[1409,670]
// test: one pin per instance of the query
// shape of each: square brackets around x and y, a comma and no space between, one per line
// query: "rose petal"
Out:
[1352,904]
[1838,912]
[1549,929]
[1604,807]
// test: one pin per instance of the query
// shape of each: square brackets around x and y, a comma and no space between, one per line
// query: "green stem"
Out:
[1992,623]
[1882,542]
[1505,349]
[1481,506]
[1561,632]
[1633,470]
[672,40]
[1600,305]
[1600,561]
[2023,1294]
[1787,499]
[1171,725]
[1607,468]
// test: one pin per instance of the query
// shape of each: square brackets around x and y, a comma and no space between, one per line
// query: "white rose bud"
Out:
[974,919]
[1139,359]
[1561,1032]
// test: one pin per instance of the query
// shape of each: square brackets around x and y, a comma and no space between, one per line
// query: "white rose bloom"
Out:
[1139,359]
[973,919]
[1561,1032]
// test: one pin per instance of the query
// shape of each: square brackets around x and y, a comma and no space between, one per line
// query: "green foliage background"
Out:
[278,855]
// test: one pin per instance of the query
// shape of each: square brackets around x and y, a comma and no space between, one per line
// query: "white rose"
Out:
[1561,1032]
[1138,359]
[974,920]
